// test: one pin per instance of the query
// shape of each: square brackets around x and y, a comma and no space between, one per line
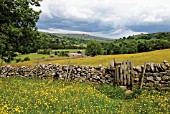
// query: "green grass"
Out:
[33,56]
[23,95]
[138,59]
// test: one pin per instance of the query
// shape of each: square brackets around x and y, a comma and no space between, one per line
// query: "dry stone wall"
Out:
[97,74]
[157,76]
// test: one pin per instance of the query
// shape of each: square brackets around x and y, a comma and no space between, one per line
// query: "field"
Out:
[138,59]
[23,95]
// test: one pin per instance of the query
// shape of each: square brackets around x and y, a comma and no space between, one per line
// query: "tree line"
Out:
[129,45]
[54,41]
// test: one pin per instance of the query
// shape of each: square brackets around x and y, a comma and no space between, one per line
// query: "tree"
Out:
[18,31]
[145,46]
[93,49]
[110,48]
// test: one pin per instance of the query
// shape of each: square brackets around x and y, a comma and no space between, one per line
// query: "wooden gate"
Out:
[123,73]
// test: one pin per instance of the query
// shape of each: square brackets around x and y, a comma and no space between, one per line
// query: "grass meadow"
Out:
[138,59]
[27,96]
[35,96]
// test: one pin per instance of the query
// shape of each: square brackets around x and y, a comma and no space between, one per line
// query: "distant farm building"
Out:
[79,55]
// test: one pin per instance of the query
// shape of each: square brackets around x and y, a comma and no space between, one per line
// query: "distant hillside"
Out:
[159,35]
[67,41]
[130,44]
[138,43]
[85,36]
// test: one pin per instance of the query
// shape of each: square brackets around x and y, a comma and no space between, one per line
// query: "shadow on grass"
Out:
[116,92]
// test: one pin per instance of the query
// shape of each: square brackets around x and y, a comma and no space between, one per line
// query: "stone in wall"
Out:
[168,72]
[166,78]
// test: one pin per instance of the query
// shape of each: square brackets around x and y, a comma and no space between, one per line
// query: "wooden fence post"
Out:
[68,66]
[117,74]
[143,74]
[131,73]
[124,74]
[128,73]
[121,74]
[116,70]
[37,68]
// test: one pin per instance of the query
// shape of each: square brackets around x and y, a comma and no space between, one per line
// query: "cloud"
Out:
[62,31]
[114,34]
[106,17]
[109,34]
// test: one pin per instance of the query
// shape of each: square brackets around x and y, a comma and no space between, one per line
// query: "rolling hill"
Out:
[138,59]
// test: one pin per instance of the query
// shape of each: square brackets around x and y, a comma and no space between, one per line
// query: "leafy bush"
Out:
[93,48]
[56,52]
[18,60]
[26,59]
[45,51]
[40,52]
[61,53]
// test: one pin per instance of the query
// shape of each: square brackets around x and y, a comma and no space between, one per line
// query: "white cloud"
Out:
[119,33]
[111,34]
[62,31]
[118,14]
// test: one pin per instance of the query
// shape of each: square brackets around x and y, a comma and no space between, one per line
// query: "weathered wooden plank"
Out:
[143,74]
[121,75]
[117,74]
[115,62]
[37,68]
[124,73]
[128,73]
[115,71]
[131,74]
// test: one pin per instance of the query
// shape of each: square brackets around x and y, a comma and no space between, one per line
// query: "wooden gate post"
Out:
[37,68]
[128,73]
[124,73]
[132,75]
[143,74]
[116,70]
[121,74]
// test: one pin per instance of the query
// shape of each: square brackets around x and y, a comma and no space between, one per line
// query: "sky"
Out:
[105,18]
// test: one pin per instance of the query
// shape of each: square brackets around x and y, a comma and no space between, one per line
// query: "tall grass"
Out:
[23,95]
